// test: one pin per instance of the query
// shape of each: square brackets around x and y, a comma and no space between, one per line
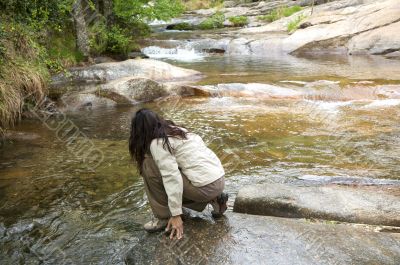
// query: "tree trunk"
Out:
[82,37]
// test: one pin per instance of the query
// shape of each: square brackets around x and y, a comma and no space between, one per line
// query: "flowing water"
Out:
[56,209]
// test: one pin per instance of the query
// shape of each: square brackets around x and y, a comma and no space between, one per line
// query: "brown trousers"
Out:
[195,198]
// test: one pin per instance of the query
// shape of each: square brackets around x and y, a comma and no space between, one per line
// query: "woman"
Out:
[178,171]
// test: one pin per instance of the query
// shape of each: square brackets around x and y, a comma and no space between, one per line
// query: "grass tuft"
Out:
[239,21]
[295,23]
[280,13]
[214,22]
[23,79]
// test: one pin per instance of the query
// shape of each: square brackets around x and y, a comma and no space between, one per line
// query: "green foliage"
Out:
[38,14]
[140,10]
[60,52]
[213,22]
[239,21]
[294,24]
[23,75]
[280,13]
[118,40]
[38,37]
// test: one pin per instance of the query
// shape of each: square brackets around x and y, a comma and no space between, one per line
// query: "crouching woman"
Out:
[178,171]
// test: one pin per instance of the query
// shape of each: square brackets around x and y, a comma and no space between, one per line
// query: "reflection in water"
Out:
[54,209]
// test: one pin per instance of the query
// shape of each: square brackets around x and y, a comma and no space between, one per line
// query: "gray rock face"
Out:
[359,205]
[248,239]
[355,27]
[147,68]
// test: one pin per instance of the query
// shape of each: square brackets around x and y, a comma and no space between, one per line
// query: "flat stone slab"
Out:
[356,204]
[250,239]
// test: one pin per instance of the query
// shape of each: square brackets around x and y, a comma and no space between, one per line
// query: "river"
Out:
[54,208]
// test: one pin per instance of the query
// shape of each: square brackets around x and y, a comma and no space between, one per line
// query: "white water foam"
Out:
[383,103]
[179,54]
[332,107]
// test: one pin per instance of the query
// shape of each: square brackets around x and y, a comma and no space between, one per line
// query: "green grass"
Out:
[213,22]
[280,13]
[239,21]
[295,23]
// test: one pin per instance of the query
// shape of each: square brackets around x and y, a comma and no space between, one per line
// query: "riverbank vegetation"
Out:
[38,38]
[239,21]
[295,23]
[280,12]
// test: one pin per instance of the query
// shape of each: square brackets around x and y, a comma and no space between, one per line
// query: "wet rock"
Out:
[137,55]
[110,71]
[214,50]
[305,25]
[393,55]
[134,90]
[20,136]
[85,101]
[249,239]
[103,59]
[339,203]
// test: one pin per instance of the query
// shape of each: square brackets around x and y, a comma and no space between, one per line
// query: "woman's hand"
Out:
[175,223]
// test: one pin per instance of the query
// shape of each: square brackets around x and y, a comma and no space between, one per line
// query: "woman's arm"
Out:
[171,176]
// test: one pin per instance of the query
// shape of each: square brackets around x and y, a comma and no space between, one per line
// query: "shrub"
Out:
[239,21]
[118,41]
[181,26]
[280,13]
[213,22]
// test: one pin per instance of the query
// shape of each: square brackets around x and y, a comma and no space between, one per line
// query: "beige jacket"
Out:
[193,158]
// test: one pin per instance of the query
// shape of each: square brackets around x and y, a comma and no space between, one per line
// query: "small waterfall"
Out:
[178,53]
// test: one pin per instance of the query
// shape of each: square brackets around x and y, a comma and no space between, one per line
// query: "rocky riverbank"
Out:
[339,27]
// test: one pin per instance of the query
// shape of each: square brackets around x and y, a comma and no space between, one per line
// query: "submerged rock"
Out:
[147,68]
[250,239]
[84,101]
[20,136]
[375,206]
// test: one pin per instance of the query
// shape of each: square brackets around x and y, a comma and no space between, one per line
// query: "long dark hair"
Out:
[146,125]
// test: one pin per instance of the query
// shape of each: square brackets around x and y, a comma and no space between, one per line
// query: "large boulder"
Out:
[376,206]
[250,90]
[134,90]
[123,91]
[382,40]
[147,68]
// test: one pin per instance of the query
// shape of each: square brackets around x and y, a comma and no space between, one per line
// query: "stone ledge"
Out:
[376,206]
